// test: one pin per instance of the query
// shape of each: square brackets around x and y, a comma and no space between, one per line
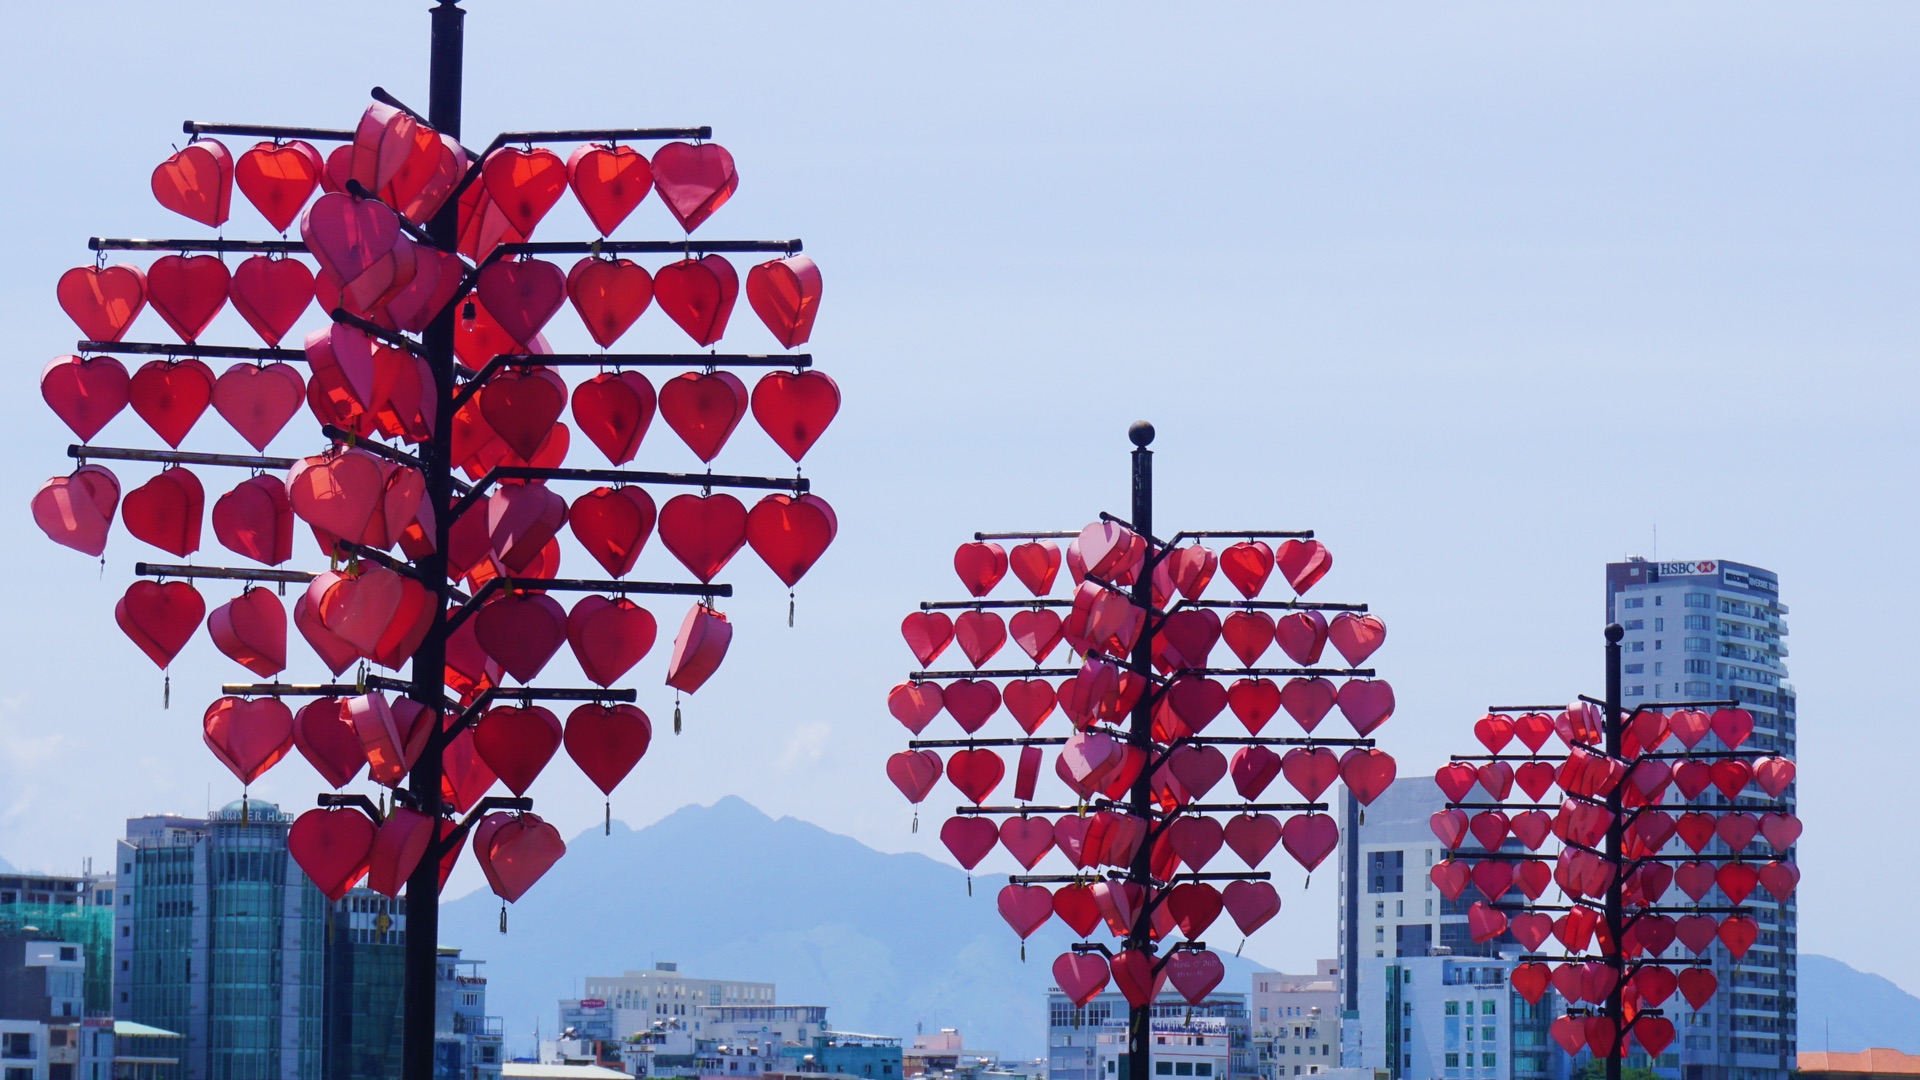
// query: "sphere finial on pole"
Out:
[1615,632]
[1140,433]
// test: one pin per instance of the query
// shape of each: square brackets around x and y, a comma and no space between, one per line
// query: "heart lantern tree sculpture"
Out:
[438,482]
[1663,831]
[1140,744]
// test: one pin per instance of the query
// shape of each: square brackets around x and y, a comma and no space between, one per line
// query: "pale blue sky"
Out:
[1483,292]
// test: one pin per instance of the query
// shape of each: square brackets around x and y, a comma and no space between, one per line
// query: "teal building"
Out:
[219,936]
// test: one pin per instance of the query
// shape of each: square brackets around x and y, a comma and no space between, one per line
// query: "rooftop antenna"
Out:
[1656,541]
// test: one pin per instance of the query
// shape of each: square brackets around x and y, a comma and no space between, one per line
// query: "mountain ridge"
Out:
[1848,1010]
[888,942]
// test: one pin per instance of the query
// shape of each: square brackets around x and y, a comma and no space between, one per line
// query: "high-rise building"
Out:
[1296,1021]
[365,986]
[1404,948]
[1075,1033]
[1389,905]
[218,935]
[1713,630]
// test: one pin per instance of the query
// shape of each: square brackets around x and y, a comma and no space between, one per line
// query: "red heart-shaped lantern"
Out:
[609,181]
[524,184]
[197,182]
[704,409]
[785,293]
[103,301]
[694,181]
[249,737]
[334,847]
[76,511]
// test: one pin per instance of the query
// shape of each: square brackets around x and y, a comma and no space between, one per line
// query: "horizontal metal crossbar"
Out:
[267,247]
[1190,808]
[161,348]
[268,131]
[580,135]
[1057,534]
[1354,673]
[1273,605]
[963,605]
[275,689]
[1249,534]
[630,476]
[168,570]
[81,451]
[1066,879]
[688,247]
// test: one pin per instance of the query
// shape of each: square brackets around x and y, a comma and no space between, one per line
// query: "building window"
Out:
[1488,1061]
[1430,910]
[1636,646]
[1699,667]
[1635,669]
[1636,691]
[1453,1007]
[1659,624]
[1698,644]
[16,1044]
[1380,909]
[1658,645]
[1165,1068]
[1698,622]
[1659,601]
[1380,935]
[1636,601]
[1400,909]
[1699,600]
[1635,624]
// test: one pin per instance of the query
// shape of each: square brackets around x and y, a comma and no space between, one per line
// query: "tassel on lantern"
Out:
[1242,945]
[969,883]
[243,806]
[916,820]
[1023,950]
[166,690]
[789,609]
[609,805]
[676,714]
[503,916]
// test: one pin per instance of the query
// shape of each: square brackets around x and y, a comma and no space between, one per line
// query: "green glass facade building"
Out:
[365,979]
[218,935]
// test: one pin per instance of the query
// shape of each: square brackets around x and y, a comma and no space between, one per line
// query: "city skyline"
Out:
[1578,262]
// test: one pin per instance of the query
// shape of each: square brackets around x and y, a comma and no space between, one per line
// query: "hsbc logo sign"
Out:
[1688,569]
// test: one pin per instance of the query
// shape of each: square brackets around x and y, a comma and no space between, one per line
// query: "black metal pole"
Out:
[1140,1018]
[1614,723]
[429,661]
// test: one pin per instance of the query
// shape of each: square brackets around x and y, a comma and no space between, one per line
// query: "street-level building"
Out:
[1296,1021]
[636,1000]
[1454,1018]
[1073,1032]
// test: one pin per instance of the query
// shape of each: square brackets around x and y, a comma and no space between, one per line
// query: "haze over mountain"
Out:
[1847,1010]
[888,942]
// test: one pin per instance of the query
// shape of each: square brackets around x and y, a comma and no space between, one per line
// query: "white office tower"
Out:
[1705,631]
